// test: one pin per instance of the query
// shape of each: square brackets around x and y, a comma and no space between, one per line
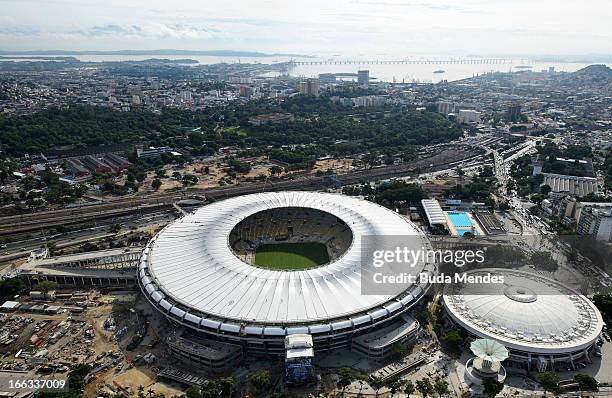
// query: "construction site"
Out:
[106,330]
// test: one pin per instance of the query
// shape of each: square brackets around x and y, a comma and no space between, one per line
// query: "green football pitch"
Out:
[291,255]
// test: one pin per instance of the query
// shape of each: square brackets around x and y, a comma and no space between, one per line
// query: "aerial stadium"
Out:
[252,270]
[544,324]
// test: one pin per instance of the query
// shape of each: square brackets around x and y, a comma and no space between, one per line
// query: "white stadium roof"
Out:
[191,272]
[528,312]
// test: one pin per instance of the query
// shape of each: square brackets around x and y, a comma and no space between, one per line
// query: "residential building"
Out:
[445,107]
[573,185]
[468,116]
[310,87]
[369,100]
[596,222]
[152,152]
[363,77]
[514,113]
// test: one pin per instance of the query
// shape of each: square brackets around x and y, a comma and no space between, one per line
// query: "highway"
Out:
[21,247]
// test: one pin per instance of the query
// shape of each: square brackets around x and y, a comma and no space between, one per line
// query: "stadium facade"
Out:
[544,324]
[199,272]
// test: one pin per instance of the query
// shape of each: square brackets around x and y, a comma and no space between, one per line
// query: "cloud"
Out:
[149,30]
[437,6]
[314,26]
[16,30]
[105,30]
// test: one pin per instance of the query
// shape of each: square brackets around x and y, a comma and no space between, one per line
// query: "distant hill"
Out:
[595,71]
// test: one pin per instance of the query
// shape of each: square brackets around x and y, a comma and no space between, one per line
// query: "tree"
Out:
[225,385]
[486,171]
[115,228]
[51,247]
[424,386]
[76,377]
[217,388]
[409,388]
[377,383]
[394,385]
[261,380]
[492,387]
[346,377]
[545,189]
[441,387]
[156,183]
[550,382]
[490,202]
[399,351]
[45,286]
[238,166]
[586,382]
[189,179]
[504,206]
[398,192]
[603,302]
[362,378]
[452,340]
[10,287]
[193,392]
[544,260]
[438,229]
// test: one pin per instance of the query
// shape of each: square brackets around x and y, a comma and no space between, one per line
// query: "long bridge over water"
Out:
[491,61]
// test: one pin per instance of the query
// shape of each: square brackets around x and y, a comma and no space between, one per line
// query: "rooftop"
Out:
[528,312]
[434,212]
[190,263]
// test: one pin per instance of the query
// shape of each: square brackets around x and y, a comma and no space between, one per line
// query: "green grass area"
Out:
[291,255]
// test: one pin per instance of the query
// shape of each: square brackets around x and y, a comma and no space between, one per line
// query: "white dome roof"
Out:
[528,312]
[190,263]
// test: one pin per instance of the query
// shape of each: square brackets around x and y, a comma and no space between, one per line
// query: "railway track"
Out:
[113,208]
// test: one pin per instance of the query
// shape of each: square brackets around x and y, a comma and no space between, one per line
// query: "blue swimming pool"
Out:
[459,219]
[461,222]
[461,232]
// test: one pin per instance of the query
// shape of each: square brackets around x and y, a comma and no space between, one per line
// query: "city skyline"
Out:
[345,28]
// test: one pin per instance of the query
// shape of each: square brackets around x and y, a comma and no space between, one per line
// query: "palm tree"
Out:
[409,388]
[377,383]
[141,392]
[361,379]
[424,386]
[394,385]
[441,387]
[346,377]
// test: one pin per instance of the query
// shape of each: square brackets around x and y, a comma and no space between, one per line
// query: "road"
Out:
[536,234]
[20,248]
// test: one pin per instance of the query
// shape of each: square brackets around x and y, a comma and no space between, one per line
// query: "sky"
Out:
[393,28]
